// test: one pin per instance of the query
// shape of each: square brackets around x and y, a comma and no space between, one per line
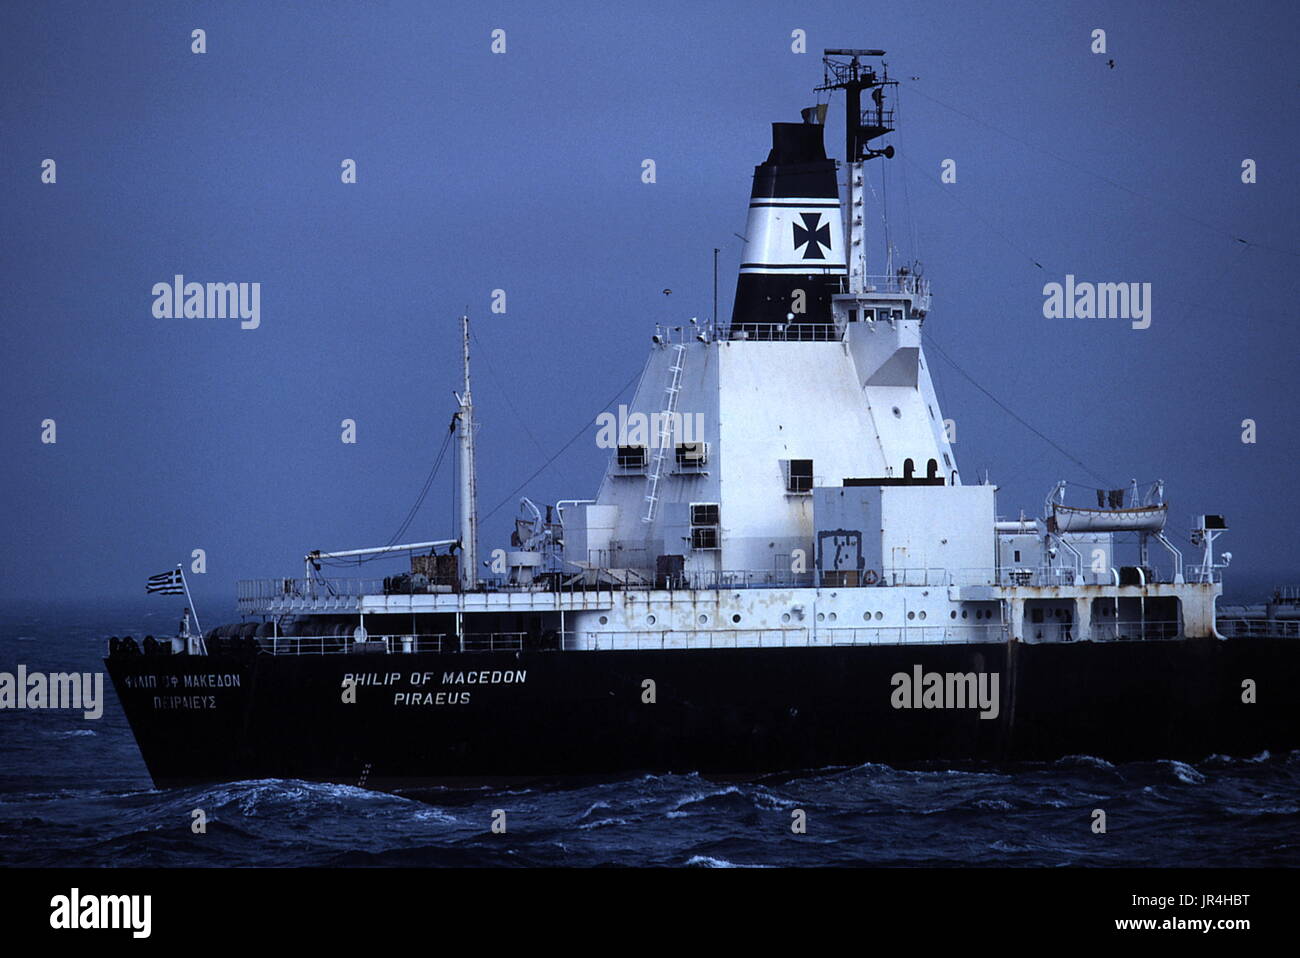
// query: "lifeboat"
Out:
[1138,519]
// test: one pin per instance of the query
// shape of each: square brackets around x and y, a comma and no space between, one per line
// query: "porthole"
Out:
[832,616]
[735,618]
[821,616]
[964,613]
[704,619]
[866,616]
[922,615]
[911,615]
[897,413]
[880,615]
[604,620]
[650,620]
[785,617]
[952,614]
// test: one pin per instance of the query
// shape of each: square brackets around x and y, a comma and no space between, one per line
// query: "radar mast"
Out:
[844,70]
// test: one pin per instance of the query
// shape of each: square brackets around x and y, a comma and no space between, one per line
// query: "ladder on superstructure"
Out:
[664,438]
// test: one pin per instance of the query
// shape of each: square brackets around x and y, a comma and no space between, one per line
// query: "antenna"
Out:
[468,483]
[715,286]
[860,128]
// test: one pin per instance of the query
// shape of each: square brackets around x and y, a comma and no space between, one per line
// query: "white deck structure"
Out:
[779,484]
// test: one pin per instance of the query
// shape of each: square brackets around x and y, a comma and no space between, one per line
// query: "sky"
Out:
[521,171]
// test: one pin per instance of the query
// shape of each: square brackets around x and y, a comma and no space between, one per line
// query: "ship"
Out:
[783,568]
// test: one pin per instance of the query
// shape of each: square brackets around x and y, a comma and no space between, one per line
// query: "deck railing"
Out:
[1137,630]
[394,644]
[800,637]
[1260,628]
[344,595]
[784,332]
[1195,572]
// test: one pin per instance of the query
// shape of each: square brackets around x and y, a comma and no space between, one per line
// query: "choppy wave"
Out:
[1174,813]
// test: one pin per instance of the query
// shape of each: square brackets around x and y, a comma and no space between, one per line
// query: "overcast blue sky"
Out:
[522,171]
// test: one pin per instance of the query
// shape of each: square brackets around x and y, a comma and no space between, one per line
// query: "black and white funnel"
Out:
[794,241]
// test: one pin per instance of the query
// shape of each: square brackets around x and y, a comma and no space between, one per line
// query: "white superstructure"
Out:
[787,479]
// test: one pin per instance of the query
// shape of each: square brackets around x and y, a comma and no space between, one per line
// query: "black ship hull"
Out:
[450,718]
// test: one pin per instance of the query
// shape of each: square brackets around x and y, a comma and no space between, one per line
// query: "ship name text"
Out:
[191,702]
[211,680]
[417,680]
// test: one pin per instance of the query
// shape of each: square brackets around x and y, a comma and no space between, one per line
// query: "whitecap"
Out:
[703,797]
[1184,772]
[603,823]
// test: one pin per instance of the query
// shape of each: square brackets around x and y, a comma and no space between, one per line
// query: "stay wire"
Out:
[576,436]
[1016,416]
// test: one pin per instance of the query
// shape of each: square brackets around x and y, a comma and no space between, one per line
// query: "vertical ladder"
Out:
[857,230]
[664,438]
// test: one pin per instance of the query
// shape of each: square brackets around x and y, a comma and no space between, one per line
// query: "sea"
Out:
[75,792]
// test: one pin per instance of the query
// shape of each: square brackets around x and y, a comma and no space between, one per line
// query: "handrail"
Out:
[801,637]
[330,594]
[806,636]
[783,332]
[1261,628]
[392,644]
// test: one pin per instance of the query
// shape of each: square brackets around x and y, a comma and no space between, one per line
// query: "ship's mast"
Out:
[468,484]
[860,128]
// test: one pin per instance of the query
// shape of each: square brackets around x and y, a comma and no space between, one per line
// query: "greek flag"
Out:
[166,583]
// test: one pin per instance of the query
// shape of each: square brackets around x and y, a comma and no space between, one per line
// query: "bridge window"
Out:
[798,475]
[692,455]
[704,525]
[631,457]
